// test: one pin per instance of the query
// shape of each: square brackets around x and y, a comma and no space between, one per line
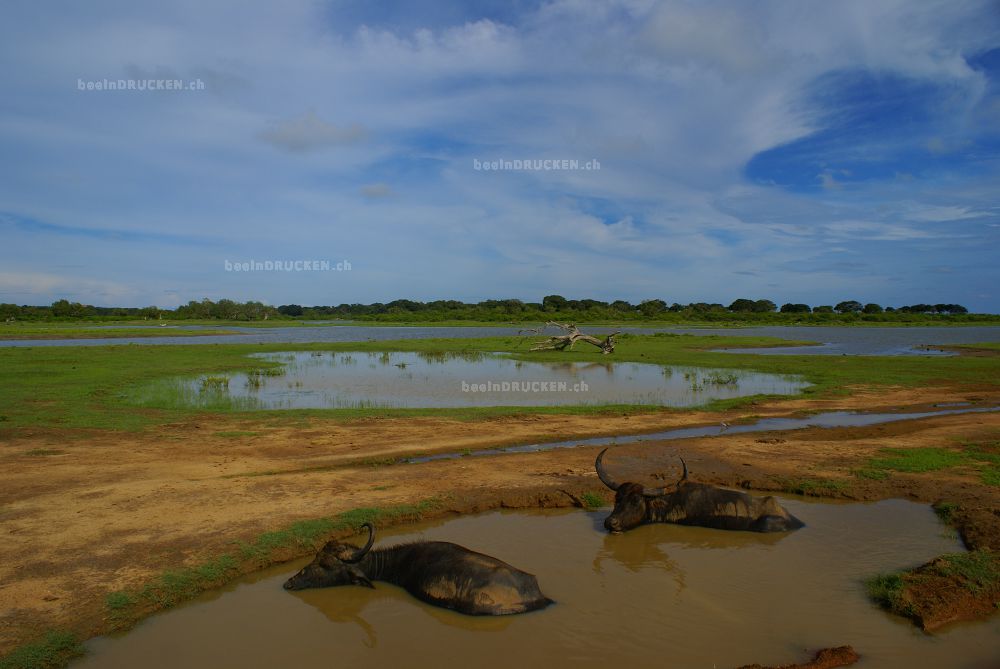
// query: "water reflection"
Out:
[636,556]
[329,379]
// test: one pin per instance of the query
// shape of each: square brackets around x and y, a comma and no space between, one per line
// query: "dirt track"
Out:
[82,515]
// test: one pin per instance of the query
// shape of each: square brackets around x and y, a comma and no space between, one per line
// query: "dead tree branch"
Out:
[573,335]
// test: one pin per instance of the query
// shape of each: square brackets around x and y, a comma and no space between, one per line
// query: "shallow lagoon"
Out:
[328,379]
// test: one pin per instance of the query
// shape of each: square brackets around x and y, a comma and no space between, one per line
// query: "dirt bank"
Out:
[85,513]
[828,658]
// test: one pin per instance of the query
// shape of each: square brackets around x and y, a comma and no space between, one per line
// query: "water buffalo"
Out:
[437,572]
[687,503]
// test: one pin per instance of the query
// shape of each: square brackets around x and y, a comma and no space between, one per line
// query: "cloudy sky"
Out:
[796,151]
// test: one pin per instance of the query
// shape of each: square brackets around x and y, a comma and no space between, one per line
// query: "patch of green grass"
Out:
[886,590]
[815,487]
[873,474]
[173,587]
[991,476]
[917,459]
[53,650]
[591,500]
[119,599]
[72,331]
[236,433]
[983,456]
[945,511]
[979,570]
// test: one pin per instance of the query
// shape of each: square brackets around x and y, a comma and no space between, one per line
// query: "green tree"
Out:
[848,306]
[790,308]
[763,306]
[554,303]
[872,308]
[621,305]
[742,304]
[652,308]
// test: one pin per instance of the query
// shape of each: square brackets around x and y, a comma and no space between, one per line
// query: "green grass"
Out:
[945,511]
[917,459]
[55,649]
[984,457]
[872,474]
[97,387]
[977,571]
[236,433]
[21,330]
[886,590]
[817,487]
[592,500]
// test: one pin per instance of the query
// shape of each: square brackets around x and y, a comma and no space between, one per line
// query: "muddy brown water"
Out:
[661,595]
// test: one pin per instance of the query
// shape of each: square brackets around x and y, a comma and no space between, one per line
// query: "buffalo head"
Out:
[335,564]
[631,499]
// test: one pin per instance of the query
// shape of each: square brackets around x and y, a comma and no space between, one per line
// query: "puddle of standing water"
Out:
[828,419]
[660,595]
[322,380]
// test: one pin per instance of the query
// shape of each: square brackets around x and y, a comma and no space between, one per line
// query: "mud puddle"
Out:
[661,595]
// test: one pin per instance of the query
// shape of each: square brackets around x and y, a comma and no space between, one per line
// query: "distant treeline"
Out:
[552,307]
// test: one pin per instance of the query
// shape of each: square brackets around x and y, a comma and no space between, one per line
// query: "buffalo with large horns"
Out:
[688,503]
[437,572]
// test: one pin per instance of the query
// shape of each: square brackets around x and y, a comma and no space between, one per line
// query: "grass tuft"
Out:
[55,649]
[945,511]
[886,590]
[591,500]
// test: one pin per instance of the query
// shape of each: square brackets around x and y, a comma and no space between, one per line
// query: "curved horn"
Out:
[656,492]
[361,552]
[603,475]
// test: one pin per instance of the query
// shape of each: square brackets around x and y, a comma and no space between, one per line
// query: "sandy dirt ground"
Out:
[88,513]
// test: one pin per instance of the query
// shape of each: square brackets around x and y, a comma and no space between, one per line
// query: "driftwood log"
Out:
[573,335]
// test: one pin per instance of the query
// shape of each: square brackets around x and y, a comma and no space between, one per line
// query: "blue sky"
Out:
[796,151]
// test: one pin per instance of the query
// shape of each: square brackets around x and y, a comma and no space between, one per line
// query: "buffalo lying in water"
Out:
[687,503]
[437,572]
